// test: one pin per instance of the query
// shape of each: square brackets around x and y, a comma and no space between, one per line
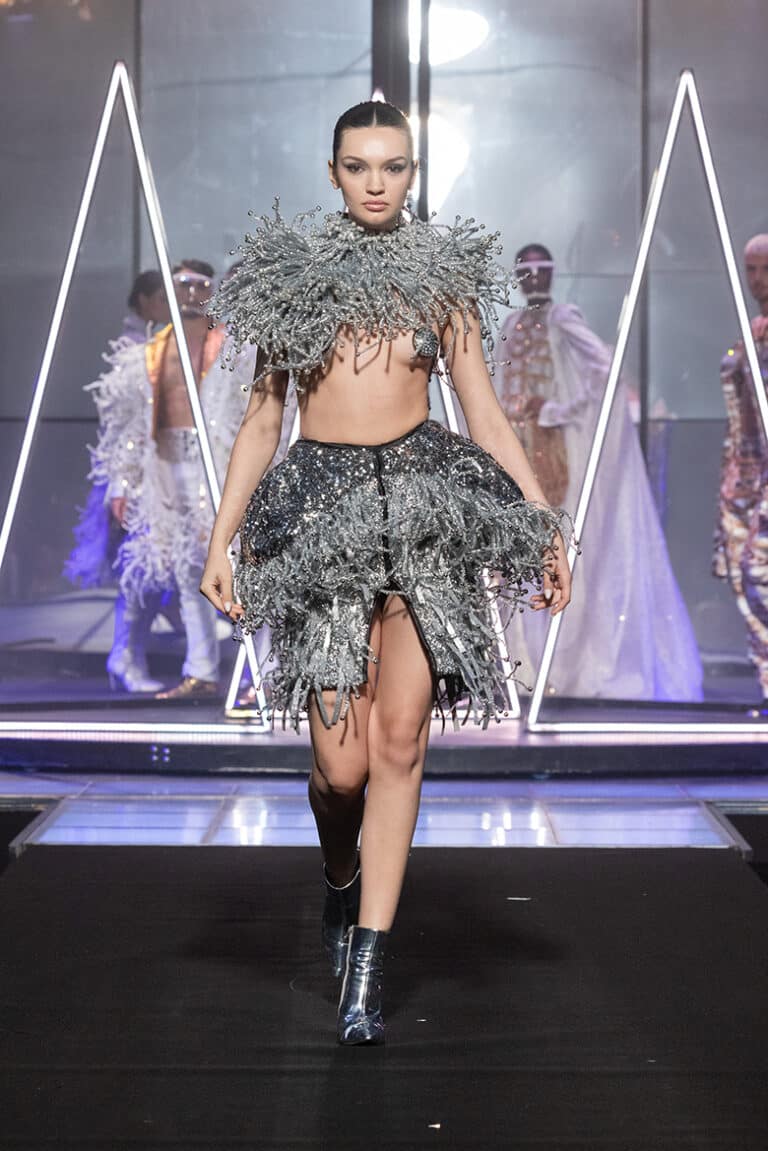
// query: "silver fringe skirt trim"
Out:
[336,527]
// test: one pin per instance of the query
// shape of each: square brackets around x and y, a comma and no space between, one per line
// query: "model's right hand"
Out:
[216,585]
[117,506]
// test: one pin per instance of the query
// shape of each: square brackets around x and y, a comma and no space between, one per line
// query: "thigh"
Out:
[404,691]
[341,751]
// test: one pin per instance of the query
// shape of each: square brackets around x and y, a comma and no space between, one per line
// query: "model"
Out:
[98,534]
[364,548]
[148,458]
[627,634]
[741,538]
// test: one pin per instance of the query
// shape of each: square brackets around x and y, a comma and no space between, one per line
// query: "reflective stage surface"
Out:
[177,811]
[542,133]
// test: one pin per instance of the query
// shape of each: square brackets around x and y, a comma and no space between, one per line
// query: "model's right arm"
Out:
[252,452]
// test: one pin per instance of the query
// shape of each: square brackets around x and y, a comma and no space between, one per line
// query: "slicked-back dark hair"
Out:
[202,267]
[370,114]
[541,248]
[145,284]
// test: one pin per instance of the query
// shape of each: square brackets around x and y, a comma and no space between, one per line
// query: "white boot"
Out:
[127,661]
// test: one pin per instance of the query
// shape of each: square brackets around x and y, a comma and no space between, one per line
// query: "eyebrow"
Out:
[361,161]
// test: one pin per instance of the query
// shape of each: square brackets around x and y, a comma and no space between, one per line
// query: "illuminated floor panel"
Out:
[454,813]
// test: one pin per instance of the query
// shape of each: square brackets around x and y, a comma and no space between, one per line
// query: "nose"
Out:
[375,183]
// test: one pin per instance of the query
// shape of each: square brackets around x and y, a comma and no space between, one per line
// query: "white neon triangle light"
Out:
[512,700]
[119,84]
[686,91]
[230,703]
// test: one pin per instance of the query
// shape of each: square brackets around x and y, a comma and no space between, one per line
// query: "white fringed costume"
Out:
[169,514]
[626,634]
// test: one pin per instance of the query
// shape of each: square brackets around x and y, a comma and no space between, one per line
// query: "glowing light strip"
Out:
[239,666]
[253,664]
[119,82]
[234,681]
[712,729]
[686,88]
[728,254]
[58,313]
[69,727]
[161,246]
[513,700]
[69,730]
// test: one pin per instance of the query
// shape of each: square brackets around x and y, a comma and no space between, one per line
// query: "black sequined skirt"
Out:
[335,527]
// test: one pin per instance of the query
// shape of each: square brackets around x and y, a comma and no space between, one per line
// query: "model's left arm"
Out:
[489,427]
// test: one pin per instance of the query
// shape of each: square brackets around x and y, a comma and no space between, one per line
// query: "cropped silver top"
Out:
[299,283]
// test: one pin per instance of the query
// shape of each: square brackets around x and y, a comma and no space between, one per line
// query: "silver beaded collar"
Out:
[297,284]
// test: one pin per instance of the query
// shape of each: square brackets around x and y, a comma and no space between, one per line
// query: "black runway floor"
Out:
[578,1000]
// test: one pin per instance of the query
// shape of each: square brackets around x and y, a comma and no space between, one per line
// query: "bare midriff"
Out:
[369,396]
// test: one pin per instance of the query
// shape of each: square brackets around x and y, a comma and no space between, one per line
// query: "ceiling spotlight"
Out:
[453,32]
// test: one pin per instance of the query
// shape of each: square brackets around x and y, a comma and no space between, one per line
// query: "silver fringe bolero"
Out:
[298,284]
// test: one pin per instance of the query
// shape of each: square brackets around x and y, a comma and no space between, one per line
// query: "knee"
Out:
[395,746]
[344,782]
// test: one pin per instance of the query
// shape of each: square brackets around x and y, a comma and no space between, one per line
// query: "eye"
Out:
[397,168]
[353,167]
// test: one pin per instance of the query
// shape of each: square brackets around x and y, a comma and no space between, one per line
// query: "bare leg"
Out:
[398,730]
[339,775]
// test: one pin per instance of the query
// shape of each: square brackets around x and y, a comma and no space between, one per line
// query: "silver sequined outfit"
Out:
[335,527]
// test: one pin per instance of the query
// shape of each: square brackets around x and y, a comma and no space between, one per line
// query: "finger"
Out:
[554,603]
[225,594]
[215,593]
[543,599]
[563,601]
[211,593]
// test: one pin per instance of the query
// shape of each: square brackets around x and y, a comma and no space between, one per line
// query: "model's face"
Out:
[534,271]
[374,171]
[153,307]
[756,268]
[193,292]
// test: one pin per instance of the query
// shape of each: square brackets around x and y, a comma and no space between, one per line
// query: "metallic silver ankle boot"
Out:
[342,906]
[359,1019]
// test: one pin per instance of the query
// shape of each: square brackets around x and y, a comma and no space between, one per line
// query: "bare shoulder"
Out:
[266,402]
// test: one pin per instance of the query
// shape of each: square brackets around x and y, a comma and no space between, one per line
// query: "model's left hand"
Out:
[555,591]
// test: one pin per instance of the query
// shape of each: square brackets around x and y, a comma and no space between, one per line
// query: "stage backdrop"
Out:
[547,119]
